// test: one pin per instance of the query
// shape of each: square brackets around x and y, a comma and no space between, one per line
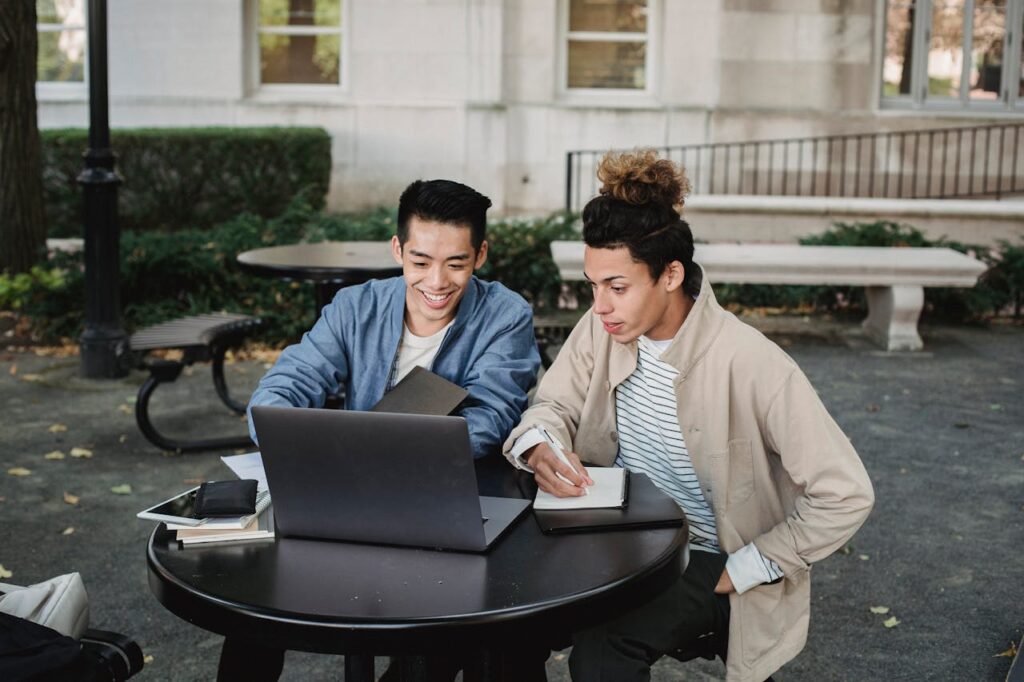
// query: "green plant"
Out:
[185,178]
[520,256]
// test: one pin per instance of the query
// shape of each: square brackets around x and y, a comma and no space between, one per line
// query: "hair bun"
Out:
[640,177]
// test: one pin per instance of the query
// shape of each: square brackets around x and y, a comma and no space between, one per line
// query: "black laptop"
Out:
[378,477]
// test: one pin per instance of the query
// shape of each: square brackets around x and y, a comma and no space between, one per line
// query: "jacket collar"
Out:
[699,330]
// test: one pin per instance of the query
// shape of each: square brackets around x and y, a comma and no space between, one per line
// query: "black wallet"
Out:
[226,498]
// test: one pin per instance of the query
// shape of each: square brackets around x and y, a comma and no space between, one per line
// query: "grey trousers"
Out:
[625,648]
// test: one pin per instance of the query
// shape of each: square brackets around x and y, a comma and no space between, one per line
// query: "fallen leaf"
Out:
[19,471]
[58,428]
[81,453]
[846,550]
[55,454]
[995,407]
[880,610]
[123,489]
[68,531]
[13,371]
[70,499]
[903,470]
[131,399]
[891,622]
[1009,653]
[147,659]
[4,573]
[863,557]
[873,408]
[30,377]
[122,438]
[127,409]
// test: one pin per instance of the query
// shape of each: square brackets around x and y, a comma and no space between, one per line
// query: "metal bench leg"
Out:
[893,313]
[217,363]
[166,371]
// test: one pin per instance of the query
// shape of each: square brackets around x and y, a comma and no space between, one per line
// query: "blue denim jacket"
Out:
[489,350]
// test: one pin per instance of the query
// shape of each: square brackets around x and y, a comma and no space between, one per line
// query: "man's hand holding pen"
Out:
[561,476]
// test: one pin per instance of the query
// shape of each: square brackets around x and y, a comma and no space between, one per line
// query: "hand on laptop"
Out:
[555,476]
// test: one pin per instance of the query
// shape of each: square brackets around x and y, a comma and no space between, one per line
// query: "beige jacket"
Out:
[773,464]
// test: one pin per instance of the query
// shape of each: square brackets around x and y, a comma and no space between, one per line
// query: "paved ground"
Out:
[941,433]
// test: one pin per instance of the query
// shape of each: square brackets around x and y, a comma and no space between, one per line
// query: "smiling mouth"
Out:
[436,300]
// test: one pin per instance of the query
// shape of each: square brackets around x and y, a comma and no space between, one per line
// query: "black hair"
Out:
[444,201]
[637,210]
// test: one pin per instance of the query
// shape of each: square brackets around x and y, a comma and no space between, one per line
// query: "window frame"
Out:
[61,90]
[1007,101]
[315,91]
[650,61]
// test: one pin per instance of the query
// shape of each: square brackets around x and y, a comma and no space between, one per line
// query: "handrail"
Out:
[939,163]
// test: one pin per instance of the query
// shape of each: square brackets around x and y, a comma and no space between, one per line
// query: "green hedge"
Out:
[182,178]
[194,271]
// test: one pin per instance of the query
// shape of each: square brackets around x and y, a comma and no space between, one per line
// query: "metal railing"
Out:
[942,163]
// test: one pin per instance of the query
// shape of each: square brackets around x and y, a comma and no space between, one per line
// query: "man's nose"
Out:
[437,278]
[602,305]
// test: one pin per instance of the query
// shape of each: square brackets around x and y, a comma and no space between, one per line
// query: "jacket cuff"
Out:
[749,568]
[524,443]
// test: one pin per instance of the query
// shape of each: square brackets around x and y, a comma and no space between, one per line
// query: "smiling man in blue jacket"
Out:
[438,316]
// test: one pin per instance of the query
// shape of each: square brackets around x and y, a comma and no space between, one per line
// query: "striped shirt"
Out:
[651,442]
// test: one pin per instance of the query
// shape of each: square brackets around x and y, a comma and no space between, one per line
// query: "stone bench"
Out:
[894,277]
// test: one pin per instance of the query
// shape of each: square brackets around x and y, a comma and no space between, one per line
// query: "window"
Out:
[62,41]
[953,54]
[607,45]
[300,42]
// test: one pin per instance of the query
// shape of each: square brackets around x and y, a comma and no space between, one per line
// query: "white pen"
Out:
[560,454]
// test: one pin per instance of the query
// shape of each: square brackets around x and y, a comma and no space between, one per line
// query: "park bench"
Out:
[200,338]
[894,277]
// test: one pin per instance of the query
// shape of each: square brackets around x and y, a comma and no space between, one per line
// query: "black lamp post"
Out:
[103,344]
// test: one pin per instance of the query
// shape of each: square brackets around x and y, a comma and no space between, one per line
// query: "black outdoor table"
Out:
[367,600]
[329,265]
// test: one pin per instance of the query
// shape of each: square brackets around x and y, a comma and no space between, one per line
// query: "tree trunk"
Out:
[22,221]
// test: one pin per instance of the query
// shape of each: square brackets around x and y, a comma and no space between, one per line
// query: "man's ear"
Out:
[396,249]
[481,255]
[673,276]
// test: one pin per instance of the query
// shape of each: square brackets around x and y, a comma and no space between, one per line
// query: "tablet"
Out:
[179,509]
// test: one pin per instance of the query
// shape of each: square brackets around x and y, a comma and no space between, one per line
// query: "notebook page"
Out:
[607,491]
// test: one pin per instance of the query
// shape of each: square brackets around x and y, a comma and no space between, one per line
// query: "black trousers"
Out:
[625,648]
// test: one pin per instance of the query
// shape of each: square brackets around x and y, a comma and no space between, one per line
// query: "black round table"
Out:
[366,600]
[329,265]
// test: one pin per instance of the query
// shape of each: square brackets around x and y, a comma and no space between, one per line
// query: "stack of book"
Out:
[259,526]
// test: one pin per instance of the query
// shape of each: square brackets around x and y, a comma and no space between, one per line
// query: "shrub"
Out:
[194,271]
[520,256]
[182,178]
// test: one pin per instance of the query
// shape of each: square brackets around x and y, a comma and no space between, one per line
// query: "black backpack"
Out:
[32,652]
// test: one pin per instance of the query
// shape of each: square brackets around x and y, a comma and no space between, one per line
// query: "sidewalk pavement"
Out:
[941,433]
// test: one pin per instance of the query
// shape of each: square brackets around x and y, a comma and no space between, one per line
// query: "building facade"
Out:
[495,92]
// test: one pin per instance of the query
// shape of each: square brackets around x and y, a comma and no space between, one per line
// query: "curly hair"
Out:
[641,177]
[638,208]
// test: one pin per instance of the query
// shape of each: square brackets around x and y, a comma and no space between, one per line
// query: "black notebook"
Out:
[422,392]
[648,507]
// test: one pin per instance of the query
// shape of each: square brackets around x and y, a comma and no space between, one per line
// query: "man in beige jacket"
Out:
[658,378]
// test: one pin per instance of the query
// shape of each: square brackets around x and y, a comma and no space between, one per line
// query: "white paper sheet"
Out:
[249,465]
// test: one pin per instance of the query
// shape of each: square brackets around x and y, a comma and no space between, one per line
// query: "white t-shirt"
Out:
[417,351]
